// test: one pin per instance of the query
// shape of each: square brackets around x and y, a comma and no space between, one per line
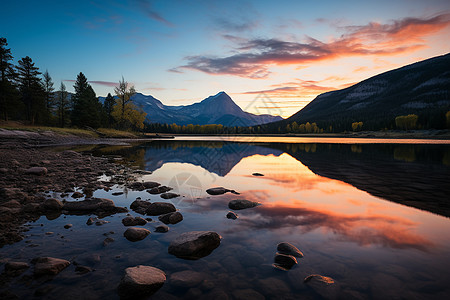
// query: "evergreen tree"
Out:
[31,90]
[63,105]
[8,93]
[86,107]
[48,92]
[108,108]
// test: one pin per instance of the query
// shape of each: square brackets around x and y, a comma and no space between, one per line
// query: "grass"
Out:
[101,132]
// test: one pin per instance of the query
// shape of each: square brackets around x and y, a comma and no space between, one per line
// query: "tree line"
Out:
[27,94]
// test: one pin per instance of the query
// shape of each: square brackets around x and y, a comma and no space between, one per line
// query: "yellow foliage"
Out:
[406,122]
[131,115]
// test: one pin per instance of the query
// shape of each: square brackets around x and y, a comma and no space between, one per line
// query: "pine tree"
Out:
[86,107]
[48,92]
[31,90]
[8,92]
[108,108]
[62,105]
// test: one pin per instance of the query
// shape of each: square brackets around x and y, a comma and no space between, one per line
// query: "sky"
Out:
[269,56]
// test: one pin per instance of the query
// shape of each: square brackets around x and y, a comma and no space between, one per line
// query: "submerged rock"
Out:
[77,195]
[323,285]
[140,206]
[141,281]
[194,244]
[135,234]
[49,265]
[159,208]
[186,279]
[16,268]
[289,249]
[52,204]
[150,184]
[117,193]
[169,195]
[232,215]
[171,218]
[220,191]
[162,228]
[242,204]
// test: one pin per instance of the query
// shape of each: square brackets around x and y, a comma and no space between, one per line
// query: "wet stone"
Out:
[289,249]
[194,244]
[171,218]
[159,208]
[162,228]
[49,265]
[285,261]
[241,204]
[169,195]
[141,281]
[159,190]
[135,234]
[220,191]
[232,215]
[186,279]
[133,221]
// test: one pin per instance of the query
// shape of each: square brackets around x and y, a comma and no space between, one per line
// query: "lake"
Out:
[371,214]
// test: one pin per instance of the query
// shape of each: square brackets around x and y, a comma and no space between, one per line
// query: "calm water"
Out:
[374,217]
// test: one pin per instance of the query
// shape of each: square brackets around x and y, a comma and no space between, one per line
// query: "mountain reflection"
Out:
[413,175]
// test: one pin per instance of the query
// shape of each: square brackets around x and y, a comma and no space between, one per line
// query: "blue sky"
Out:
[183,51]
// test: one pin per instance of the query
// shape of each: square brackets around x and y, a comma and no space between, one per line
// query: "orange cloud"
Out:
[255,56]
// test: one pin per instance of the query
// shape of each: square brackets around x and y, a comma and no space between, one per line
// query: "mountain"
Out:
[422,88]
[217,109]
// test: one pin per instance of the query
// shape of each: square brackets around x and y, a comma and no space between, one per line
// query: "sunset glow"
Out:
[182,52]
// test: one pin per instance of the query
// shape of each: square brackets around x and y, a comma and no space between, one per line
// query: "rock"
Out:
[67,226]
[220,191]
[242,204]
[162,228]
[77,195]
[3,170]
[140,206]
[289,249]
[285,261]
[49,265]
[38,171]
[108,241]
[232,215]
[91,221]
[186,279]
[194,244]
[83,269]
[257,174]
[92,205]
[273,286]
[133,221]
[141,281]
[52,204]
[101,222]
[150,184]
[159,190]
[324,286]
[159,208]
[13,266]
[171,218]
[12,204]
[117,193]
[137,186]
[135,234]
[169,195]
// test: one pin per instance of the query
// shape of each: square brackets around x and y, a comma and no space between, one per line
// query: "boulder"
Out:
[14,266]
[220,191]
[135,234]
[171,218]
[67,226]
[141,281]
[232,215]
[137,186]
[186,279]
[289,249]
[38,171]
[133,221]
[49,265]
[159,208]
[159,190]
[140,206]
[169,195]
[150,184]
[194,244]
[77,195]
[52,204]
[91,221]
[162,228]
[241,204]
[92,205]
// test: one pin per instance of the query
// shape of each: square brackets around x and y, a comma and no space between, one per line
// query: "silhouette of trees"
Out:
[8,92]
[63,105]
[48,94]
[86,107]
[31,90]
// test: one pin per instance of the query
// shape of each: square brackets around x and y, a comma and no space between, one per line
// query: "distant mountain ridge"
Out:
[217,109]
[422,88]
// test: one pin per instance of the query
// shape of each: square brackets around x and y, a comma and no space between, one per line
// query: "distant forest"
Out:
[30,96]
